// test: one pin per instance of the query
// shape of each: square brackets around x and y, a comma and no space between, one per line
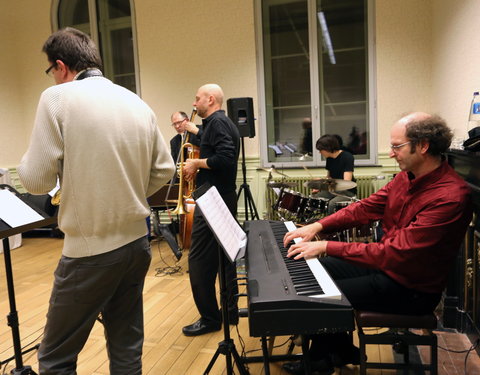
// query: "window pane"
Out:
[73,12]
[343,71]
[118,8]
[122,58]
[287,76]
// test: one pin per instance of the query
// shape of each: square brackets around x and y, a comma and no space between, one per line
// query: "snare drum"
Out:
[340,205]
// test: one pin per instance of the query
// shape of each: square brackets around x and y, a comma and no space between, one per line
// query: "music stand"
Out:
[12,318]
[232,244]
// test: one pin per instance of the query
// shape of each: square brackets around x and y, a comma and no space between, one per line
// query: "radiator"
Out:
[366,185]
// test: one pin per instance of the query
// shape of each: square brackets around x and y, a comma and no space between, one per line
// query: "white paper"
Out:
[14,211]
[231,236]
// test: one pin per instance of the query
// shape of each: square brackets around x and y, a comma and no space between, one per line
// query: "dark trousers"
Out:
[371,290]
[110,284]
[203,263]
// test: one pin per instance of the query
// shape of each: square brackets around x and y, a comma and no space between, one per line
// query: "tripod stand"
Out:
[249,203]
[227,346]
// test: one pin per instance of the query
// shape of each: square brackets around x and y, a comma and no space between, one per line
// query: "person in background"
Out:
[217,166]
[181,123]
[339,165]
[424,211]
[102,142]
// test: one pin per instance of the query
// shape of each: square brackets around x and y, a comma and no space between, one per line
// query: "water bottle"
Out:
[474,116]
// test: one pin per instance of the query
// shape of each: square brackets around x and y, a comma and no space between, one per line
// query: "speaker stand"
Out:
[249,203]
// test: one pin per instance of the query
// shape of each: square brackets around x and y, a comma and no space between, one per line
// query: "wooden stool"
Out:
[397,335]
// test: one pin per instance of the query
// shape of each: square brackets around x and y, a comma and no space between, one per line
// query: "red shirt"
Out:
[424,222]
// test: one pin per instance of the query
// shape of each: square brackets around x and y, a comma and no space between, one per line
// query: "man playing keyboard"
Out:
[424,211]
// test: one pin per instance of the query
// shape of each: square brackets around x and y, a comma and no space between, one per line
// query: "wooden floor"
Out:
[168,307]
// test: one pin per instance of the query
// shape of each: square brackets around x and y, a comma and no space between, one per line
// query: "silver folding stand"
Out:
[12,318]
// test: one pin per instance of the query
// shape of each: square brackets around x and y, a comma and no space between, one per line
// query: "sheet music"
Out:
[14,211]
[231,236]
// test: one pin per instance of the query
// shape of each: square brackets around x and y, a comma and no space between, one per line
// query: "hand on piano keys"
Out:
[303,247]
[304,234]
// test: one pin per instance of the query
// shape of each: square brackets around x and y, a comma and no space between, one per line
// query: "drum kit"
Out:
[294,206]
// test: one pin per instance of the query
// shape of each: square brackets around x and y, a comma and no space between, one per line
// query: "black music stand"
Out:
[12,318]
[219,228]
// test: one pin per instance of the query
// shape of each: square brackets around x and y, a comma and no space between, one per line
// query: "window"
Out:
[316,79]
[109,23]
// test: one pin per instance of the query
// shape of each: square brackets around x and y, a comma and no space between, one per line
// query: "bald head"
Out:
[209,99]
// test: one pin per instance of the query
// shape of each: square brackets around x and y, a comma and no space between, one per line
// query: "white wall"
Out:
[456,60]
[425,60]
[185,44]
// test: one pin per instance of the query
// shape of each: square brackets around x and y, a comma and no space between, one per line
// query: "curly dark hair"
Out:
[74,48]
[434,130]
[328,142]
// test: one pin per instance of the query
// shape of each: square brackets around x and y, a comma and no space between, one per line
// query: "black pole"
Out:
[12,317]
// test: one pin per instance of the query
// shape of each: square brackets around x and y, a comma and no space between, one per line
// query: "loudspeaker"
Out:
[240,111]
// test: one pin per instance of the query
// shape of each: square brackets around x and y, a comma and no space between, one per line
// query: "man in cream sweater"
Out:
[103,143]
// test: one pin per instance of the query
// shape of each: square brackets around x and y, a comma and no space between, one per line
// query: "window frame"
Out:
[315,93]
[94,32]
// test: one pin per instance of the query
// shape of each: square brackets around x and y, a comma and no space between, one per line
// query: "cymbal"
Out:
[320,183]
[281,184]
[330,184]
[344,185]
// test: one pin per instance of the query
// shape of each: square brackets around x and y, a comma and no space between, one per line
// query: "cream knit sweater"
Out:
[104,144]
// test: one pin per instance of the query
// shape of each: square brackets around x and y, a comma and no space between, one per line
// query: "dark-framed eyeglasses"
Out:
[48,72]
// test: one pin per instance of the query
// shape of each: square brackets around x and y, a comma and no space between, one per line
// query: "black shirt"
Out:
[219,144]
[342,163]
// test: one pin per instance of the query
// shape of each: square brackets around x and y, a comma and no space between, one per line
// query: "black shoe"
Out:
[200,327]
[322,367]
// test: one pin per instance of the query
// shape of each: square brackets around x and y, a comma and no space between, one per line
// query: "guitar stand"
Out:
[227,346]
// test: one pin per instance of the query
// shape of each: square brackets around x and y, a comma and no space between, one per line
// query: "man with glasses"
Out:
[424,210]
[103,143]
[181,123]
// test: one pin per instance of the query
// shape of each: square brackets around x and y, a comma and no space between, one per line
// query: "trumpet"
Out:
[186,188]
